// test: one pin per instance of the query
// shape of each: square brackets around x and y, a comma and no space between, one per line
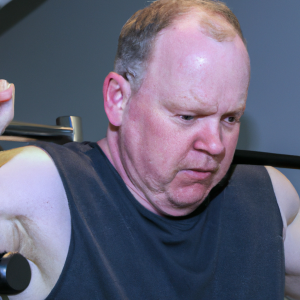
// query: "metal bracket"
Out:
[68,129]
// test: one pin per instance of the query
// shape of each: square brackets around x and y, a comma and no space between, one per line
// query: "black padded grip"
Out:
[15,273]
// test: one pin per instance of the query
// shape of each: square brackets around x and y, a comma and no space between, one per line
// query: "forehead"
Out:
[187,62]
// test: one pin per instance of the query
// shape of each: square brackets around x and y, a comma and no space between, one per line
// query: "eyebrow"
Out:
[206,108]
[238,112]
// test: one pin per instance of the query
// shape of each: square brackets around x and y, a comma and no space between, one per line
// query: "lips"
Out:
[198,174]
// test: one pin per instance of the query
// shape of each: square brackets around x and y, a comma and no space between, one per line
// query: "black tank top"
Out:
[229,248]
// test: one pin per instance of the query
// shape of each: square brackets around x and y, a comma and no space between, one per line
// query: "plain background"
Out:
[59,55]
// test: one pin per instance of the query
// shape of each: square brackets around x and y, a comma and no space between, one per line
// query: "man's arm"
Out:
[34,216]
[288,201]
[34,213]
[292,258]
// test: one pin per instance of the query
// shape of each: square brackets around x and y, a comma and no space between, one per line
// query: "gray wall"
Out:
[59,55]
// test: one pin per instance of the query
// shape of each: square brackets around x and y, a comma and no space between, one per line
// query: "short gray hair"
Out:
[138,35]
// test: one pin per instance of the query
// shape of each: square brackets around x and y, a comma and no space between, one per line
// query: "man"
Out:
[186,226]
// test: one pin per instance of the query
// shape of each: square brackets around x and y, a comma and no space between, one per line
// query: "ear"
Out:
[116,93]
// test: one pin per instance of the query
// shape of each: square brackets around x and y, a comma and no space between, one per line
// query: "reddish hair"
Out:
[138,35]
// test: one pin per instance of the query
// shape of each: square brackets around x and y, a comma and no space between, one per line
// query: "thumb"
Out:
[7,93]
[6,90]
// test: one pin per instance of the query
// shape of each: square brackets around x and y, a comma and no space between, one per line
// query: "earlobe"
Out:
[116,92]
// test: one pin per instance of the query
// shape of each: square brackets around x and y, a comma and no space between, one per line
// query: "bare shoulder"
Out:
[34,216]
[288,201]
[29,176]
[286,195]
[18,157]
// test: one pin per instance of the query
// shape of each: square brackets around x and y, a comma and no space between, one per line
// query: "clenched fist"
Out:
[7,95]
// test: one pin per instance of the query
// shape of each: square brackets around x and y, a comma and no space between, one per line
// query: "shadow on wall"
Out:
[249,134]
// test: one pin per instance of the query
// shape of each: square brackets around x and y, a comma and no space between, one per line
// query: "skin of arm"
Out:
[288,202]
[34,216]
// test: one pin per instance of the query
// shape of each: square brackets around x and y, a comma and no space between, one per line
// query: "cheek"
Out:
[164,142]
[230,142]
[153,144]
[150,130]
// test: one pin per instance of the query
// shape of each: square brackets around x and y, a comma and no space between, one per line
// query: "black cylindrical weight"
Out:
[15,273]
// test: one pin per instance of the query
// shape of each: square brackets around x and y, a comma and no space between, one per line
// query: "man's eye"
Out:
[186,117]
[231,119]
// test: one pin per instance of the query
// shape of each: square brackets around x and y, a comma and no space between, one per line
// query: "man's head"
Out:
[140,32]
[172,139]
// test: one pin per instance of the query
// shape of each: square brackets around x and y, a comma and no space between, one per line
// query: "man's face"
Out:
[179,132]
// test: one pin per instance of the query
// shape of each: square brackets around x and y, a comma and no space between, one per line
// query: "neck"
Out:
[109,146]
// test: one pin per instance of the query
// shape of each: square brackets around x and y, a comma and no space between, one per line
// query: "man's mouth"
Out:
[199,174]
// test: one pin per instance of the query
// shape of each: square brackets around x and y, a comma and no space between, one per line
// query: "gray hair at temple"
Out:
[138,35]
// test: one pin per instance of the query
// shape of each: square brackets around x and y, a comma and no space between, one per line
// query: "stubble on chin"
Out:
[183,200]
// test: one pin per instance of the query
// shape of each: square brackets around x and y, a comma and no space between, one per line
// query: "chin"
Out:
[185,200]
[178,209]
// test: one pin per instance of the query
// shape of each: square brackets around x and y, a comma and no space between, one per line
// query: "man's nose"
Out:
[209,139]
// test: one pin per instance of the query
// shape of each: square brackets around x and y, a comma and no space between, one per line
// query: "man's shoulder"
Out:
[20,167]
[28,173]
[24,155]
[286,195]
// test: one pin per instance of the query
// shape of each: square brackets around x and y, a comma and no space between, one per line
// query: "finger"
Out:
[6,113]
[3,84]
[6,90]
[7,93]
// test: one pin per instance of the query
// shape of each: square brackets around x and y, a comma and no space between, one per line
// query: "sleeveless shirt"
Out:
[230,248]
